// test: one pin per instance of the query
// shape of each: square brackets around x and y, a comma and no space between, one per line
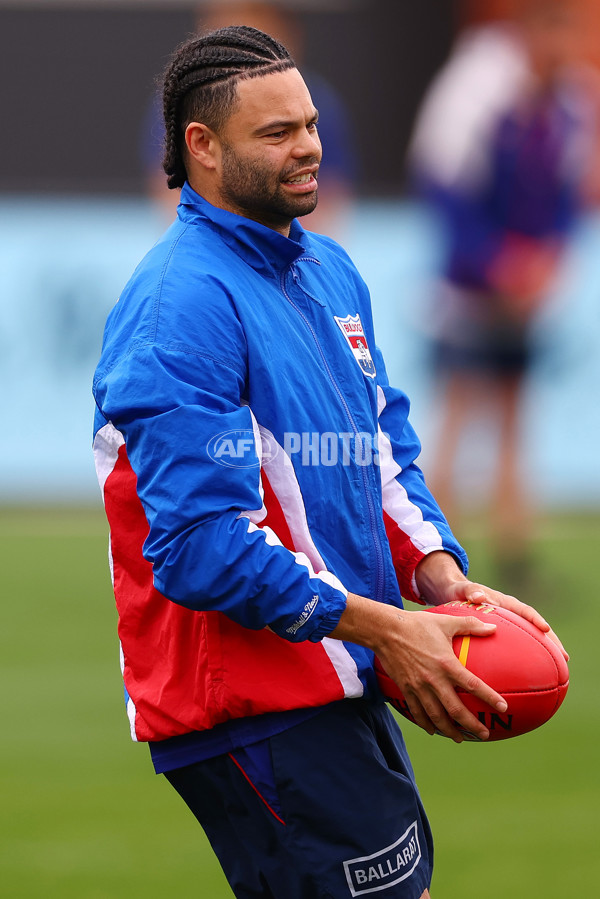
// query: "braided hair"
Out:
[199,84]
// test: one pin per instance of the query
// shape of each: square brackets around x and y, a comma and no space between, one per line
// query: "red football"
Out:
[517,660]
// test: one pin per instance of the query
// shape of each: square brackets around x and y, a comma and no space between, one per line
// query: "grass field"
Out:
[84,816]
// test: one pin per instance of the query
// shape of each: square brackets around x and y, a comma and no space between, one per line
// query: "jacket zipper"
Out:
[336,387]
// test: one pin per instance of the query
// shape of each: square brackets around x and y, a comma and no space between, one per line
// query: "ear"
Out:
[202,144]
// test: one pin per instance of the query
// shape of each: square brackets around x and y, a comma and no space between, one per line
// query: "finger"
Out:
[451,718]
[528,612]
[419,714]
[536,619]
[430,714]
[469,682]
[552,636]
[461,721]
[515,605]
[475,593]
[506,601]
[470,625]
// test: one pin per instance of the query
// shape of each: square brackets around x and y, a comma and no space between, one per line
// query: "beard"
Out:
[254,190]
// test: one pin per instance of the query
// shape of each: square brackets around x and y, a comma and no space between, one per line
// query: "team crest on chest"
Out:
[352,329]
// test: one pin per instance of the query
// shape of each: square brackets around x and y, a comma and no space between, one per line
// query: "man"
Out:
[265,509]
[338,169]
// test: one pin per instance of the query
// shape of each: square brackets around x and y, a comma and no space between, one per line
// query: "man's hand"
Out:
[439,580]
[416,648]
[428,673]
[416,651]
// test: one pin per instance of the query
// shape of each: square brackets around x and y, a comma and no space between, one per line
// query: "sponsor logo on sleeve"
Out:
[386,868]
[307,611]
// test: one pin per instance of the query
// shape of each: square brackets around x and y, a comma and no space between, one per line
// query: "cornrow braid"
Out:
[199,84]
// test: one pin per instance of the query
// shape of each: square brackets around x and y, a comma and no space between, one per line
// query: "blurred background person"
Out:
[339,167]
[503,152]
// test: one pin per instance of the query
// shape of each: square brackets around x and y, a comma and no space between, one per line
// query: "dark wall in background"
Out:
[74,85]
[381,58]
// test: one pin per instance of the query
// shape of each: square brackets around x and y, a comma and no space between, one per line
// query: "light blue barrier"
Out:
[65,261]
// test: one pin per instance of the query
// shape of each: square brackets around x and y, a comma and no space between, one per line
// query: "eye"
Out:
[276,135]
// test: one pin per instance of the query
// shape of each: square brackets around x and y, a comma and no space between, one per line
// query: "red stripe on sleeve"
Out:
[406,557]
[275,516]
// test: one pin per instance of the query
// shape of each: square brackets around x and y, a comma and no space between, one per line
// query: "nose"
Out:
[308,144]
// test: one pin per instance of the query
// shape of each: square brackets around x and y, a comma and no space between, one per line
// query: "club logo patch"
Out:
[352,329]
[386,868]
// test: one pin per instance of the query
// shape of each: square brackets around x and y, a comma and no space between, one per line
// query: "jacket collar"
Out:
[261,247]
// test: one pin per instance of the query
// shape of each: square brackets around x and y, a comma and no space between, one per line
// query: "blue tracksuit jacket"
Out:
[255,466]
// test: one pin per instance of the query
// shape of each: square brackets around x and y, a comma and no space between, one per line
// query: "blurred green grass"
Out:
[84,817]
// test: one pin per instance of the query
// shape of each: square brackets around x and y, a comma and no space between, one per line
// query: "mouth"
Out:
[304,181]
[300,179]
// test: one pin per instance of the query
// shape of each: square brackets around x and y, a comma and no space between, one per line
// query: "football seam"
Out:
[545,648]
[535,637]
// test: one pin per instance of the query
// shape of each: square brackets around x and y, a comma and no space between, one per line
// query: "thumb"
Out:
[471,625]
[475,593]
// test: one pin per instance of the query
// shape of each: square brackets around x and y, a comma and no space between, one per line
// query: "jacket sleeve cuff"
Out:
[407,578]
[319,616]
[329,622]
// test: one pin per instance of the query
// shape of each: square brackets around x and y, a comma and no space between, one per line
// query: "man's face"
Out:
[271,151]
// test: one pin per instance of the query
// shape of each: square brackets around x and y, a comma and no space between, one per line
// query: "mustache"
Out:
[309,161]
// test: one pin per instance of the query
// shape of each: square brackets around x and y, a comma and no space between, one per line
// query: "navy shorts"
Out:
[328,809]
